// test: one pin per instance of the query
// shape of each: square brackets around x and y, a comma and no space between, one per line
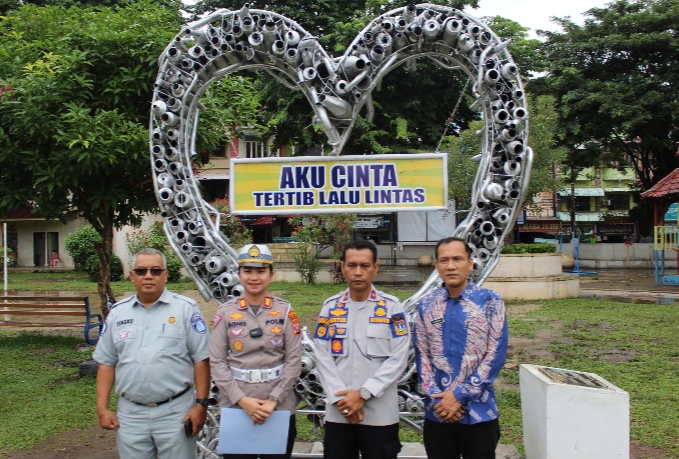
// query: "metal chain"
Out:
[450,118]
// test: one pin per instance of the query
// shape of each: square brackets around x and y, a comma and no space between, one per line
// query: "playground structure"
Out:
[665,238]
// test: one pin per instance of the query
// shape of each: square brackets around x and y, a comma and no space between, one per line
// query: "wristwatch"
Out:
[365,394]
[273,399]
[204,402]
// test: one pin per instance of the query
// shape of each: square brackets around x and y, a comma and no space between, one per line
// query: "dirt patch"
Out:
[646,452]
[94,443]
[537,347]
[615,356]
[522,308]
[43,351]
[46,280]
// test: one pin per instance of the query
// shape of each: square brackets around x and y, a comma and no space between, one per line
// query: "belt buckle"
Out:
[256,376]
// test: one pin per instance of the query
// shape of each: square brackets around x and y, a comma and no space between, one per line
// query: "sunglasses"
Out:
[154,271]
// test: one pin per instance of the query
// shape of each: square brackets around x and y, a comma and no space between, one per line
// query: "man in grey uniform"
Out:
[154,345]
[362,342]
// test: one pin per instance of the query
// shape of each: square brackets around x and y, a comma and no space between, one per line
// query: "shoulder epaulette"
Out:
[124,300]
[280,300]
[388,297]
[191,301]
[334,297]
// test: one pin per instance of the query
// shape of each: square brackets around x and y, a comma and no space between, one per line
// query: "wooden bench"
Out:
[46,306]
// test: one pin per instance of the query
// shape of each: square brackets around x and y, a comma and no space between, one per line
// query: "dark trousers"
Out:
[469,441]
[344,441]
[292,433]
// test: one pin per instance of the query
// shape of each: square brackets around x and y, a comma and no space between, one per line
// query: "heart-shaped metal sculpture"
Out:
[338,89]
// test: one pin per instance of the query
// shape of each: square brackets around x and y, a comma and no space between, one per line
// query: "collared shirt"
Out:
[280,343]
[461,346]
[154,349]
[362,345]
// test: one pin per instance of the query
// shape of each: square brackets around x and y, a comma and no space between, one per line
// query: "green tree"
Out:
[74,126]
[615,82]
[411,109]
[317,232]
[6,5]
[74,135]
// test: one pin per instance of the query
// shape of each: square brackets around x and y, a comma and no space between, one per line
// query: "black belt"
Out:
[164,401]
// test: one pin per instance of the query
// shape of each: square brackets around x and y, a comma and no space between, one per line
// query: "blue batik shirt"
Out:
[461,346]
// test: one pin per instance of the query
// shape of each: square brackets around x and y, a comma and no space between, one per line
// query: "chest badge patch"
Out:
[236,332]
[276,342]
[237,345]
[236,315]
[172,319]
[276,330]
[380,311]
[337,312]
[275,313]
[124,334]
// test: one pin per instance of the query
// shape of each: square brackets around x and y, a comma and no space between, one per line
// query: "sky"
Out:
[535,14]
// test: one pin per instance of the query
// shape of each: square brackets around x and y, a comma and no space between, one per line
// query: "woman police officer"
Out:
[255,347]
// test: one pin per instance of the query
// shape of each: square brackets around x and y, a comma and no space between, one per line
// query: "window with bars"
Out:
[618,201]
[582,203]
[255,148]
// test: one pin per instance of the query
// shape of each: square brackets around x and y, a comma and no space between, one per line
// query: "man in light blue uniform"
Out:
[155,346]
[461,344]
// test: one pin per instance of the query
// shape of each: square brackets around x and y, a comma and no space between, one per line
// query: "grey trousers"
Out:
[150,432]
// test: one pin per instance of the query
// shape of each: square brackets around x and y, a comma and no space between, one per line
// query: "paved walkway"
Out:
[409,451]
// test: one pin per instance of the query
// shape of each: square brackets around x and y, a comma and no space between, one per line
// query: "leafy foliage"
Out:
[316,233]
[74,134]
[82,244]
[91,267]
[528,248]
[232,226]
[307,262]
[614,79]
[411,109]
[10,258]
[155,238]
[324,230]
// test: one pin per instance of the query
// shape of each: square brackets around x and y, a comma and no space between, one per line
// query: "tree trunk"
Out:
[105,251]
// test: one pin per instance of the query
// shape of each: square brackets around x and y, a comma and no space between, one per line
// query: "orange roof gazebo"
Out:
[663,194]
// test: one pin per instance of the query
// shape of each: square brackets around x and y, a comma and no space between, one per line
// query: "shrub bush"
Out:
[155,238]
[544,247]
[81,245]
[10,258]
[91,267]
[174,266]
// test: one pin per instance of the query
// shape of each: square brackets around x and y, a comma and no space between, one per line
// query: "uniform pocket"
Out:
[378,339]
[125,339]
[168,338]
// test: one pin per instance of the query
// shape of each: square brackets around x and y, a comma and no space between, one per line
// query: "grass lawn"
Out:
[72,281]
[634,346]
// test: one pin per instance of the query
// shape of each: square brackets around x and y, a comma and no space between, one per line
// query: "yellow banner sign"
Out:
[356,184]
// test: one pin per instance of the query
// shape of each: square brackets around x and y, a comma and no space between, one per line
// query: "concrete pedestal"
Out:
[572,415]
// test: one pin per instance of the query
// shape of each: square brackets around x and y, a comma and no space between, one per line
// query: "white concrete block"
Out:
[572,415]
